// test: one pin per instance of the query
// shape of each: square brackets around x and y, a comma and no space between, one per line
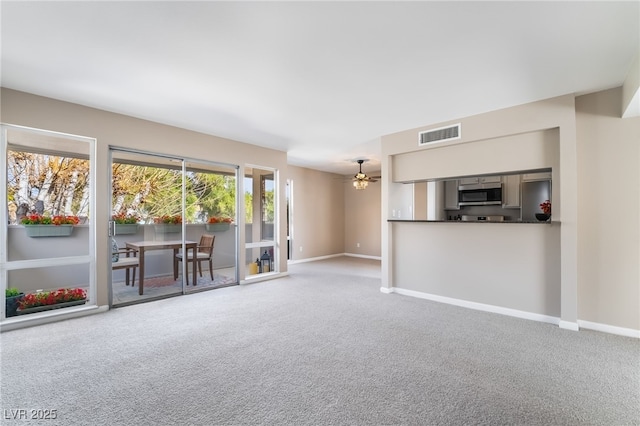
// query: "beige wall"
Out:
[362,219]
[513,266]
[330,216]
[596,195]
[400,202]
[317,213]
[112,129]
[608,205]
[631,91]
[489,144]
[526,151]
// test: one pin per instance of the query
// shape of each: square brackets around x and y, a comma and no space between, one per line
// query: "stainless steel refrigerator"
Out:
[532,194]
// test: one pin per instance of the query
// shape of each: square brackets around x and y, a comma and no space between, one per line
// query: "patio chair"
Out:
[125,258]
[204,252]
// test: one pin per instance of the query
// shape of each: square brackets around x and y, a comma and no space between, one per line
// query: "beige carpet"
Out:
[321,347]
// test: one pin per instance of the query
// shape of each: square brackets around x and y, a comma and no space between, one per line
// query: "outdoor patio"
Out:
[165,285]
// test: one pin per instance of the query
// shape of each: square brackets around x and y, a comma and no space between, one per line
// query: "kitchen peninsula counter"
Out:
[514,266]
[535,222]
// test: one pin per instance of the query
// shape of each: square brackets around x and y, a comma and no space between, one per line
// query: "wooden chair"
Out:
[204,252]
[127,259]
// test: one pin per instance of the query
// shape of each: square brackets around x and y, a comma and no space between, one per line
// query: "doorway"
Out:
[289,197]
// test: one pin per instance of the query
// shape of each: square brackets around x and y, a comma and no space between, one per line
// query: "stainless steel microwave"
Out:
[483,194]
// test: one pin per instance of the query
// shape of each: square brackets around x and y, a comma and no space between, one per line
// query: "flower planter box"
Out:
[217,227]
[43,308]
[167,228]
[36,231]
[126,228]
[11,304]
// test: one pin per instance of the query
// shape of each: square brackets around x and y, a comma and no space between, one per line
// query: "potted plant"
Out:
[167,224]
[218,223]
[125,223]
[546,211]
[12,297]
[49,226]
[46,300]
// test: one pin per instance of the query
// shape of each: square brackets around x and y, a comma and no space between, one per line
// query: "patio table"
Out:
[175,245]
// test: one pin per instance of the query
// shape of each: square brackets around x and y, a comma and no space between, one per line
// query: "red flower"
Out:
[36,219]
[219,219]
[45,298]
[177,219]
[546,207]
[123,218]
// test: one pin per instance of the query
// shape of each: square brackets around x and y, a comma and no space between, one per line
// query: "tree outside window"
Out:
[46,184]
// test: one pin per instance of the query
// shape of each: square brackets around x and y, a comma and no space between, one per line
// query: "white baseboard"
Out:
[474,305]
[363,256]
[330,256]
[568,325]
[263,277]
[313,259]
[612,329]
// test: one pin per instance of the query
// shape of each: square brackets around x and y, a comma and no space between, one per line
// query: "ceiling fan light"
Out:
[360,184]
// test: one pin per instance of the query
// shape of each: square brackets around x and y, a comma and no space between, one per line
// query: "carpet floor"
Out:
[322,346]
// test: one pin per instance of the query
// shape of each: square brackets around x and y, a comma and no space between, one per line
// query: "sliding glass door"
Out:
[173,226]
[146,226]
[211,206]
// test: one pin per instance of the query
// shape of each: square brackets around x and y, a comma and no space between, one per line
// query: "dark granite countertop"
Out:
[535,222]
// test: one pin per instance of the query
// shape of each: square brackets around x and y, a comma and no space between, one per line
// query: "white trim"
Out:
[330,256]
[288,195]
[313,259]
[473,305]
[263,277]
[4,231]
[260,244]
[386,290]
[363,256]
[612,329]
[31,320]
[48,262]
[568,325]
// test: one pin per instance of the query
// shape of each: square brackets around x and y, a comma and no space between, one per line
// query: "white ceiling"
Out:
[320,80]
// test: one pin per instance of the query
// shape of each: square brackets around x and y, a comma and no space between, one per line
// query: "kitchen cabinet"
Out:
[480,179]
[530,177]
[451,195]
[511,192]
[469,181]
[491,179]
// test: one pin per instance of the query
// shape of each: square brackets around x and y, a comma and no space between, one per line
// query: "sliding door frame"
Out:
[183,203]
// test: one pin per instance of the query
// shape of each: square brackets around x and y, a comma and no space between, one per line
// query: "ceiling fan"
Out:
[361,180]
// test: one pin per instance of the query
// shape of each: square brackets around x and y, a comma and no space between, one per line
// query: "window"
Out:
[48,237]
[261,226]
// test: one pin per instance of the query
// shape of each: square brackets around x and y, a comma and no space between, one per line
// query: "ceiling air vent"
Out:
[438,135]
